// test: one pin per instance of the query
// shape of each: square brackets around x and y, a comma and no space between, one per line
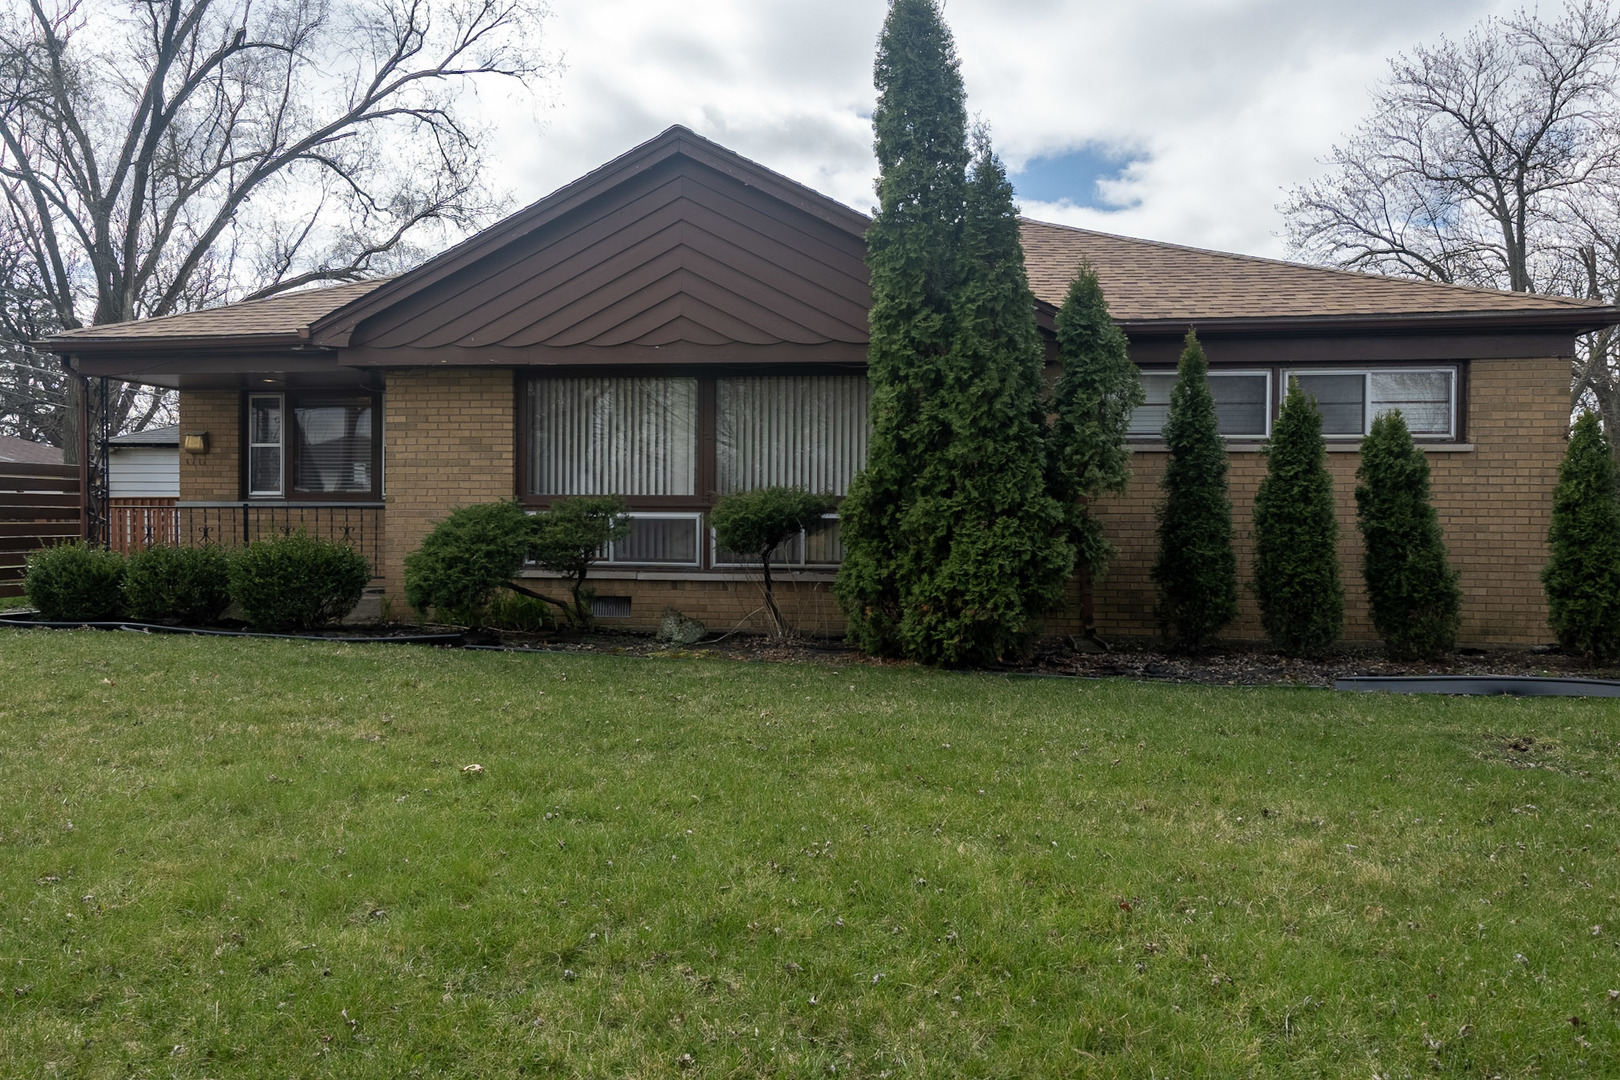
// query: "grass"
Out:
[231,858]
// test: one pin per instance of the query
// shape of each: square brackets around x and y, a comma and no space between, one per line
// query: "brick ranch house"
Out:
[682,323]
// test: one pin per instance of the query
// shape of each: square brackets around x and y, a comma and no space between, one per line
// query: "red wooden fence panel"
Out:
[137,524]
[39,506]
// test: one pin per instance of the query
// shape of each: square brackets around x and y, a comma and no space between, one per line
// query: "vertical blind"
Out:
[613,436]
[806,431]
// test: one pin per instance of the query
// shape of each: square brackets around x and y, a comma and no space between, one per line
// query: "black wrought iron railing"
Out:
[233,524]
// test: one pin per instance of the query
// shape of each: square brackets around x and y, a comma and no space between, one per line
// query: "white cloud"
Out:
[1228,102]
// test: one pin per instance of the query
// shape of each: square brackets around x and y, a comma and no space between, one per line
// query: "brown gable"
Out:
[676,250]
[1146,281]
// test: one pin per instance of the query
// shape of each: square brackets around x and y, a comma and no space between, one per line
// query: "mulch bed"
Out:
[1222,665]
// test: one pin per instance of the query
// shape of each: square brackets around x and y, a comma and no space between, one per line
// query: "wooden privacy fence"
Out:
[137,524]
[39,506]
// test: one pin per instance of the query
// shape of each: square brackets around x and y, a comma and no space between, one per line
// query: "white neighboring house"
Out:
[144,465]
[143,486]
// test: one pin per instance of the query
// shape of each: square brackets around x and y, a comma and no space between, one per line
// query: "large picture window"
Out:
[613,436]
[302,445]
[1242,403]
[804,431]
[671,444]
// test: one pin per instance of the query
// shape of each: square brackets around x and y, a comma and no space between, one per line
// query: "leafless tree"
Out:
[1490,161]
[158,156]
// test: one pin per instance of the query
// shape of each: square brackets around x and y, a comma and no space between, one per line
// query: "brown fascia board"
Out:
[336,327]
[1574,320]
[192,343]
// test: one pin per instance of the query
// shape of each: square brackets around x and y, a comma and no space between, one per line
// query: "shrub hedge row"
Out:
[294,582]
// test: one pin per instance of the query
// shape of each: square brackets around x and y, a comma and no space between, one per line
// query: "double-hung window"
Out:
[1350,400]
[1242,403]
[303,445]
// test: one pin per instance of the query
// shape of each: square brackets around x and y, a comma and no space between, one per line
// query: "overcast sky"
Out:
[1179,120]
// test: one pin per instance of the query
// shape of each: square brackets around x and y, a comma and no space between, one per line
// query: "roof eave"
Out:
[63,345]
[1571,320]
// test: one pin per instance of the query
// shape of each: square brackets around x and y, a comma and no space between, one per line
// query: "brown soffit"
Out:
[336,327]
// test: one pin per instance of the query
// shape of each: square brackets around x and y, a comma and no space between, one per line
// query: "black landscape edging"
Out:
[1514,685]
[159,628]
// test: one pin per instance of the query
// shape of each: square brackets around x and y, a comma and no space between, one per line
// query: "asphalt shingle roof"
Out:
[1149,280]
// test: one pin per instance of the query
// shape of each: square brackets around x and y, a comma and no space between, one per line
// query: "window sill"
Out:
[1334,446]
[676,573]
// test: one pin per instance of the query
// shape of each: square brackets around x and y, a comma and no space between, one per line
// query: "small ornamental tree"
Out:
[570,536]
[756,523]
[1583,578]
[1411,589]
[1296,559]
[1196,568]
[1087,455]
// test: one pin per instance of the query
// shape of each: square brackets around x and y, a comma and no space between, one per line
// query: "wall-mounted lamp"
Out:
[194,442]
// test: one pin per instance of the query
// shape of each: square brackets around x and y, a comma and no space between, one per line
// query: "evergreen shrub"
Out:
[297,582]
[1582,579]
[1196,567]
[466,558]
[755,523]
[186,585]
[1296,559]
[75,582]
[1412,590]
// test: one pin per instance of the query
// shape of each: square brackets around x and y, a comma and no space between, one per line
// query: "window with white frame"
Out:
[1242,403]
[659,539]
[264,445]
[613,436]
[316,445]
[820,545]
[1349,400]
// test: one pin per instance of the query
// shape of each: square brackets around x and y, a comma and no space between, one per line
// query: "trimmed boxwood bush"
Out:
[188,585]
[74,582]
[297,582]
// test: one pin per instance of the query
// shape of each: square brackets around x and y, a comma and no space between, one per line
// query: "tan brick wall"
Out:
[1493,505]
[216,475]
[808,606]
[447,442]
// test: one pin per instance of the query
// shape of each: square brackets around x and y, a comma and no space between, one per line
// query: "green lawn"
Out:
[259,858]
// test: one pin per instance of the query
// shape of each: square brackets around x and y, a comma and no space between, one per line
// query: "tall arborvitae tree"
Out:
[1296,558]
[913,251]
[1411,587]
[1196,570]
[1583,578]
[1097,390]
[985,552]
